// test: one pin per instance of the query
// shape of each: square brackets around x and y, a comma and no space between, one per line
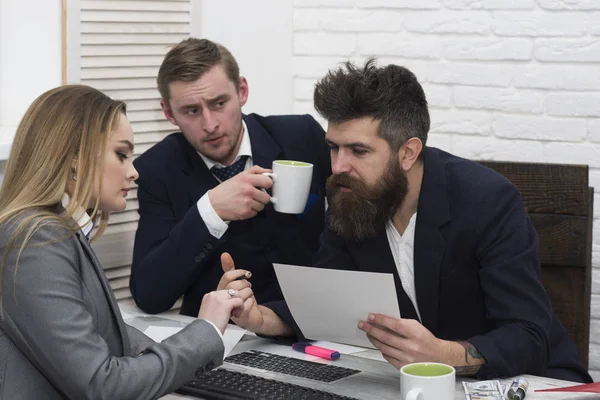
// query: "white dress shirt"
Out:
[215,225]
[402,247]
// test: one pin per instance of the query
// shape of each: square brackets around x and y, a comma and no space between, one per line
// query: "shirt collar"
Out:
[83,219]
[245,150]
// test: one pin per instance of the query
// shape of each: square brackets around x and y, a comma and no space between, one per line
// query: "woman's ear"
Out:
[409,153]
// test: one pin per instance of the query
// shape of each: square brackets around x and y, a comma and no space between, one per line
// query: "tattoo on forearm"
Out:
[467,369]
[470,350]
[473,358]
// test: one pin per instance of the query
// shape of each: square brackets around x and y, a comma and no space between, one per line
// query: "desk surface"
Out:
[252,342]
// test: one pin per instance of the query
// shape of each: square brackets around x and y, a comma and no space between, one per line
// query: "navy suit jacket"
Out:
[477,272]
[175,254]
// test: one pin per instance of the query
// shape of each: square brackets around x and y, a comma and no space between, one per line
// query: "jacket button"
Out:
[208,246]
[200,257]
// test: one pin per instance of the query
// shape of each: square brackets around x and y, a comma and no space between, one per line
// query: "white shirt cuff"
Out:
[216,226]
[217,329]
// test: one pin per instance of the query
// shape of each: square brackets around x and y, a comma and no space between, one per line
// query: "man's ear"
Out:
[167,111]
[243,90]
[409,153]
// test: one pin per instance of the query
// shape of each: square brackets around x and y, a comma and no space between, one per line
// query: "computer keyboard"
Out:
[221,384]
[291,366]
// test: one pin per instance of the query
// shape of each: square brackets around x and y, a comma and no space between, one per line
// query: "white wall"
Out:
[506,79]
[30,58]
[259,35]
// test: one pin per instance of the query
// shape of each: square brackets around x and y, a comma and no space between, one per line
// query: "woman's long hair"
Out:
[68,123]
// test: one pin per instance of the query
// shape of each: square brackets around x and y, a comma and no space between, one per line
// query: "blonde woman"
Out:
[61,333]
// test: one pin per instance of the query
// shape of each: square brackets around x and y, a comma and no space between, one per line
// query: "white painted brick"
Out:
[595,306]
[409,4]
[594,135]
[595,339]
[438,95]
[574,104]
[594,181]
[324,3]
[595,23]
[342,20]
[491,48]
[471,73]
[462,122]
[595,258]
[403,45]
[560,50]
[574,153]
[500,99]
[491,148]
[594,360]
[314,67]
[540,24]
[596,202]
[594,373]
[540,128]
[307,19]
[596,271]
[444,141]
[490,4]
[304,89]
[569,4]
[561,77]
[324,44]
[448,22]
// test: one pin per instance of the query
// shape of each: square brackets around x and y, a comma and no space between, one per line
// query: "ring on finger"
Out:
[232,292]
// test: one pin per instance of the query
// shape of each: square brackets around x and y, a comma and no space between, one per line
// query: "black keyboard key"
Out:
[221,384]
[291,366]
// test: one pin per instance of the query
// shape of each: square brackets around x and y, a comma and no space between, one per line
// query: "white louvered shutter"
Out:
[122,44]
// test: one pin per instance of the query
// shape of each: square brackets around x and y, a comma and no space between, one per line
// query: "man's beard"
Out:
[359,214]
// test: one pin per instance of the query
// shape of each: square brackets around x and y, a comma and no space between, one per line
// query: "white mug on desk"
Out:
[291,185]
[427,381]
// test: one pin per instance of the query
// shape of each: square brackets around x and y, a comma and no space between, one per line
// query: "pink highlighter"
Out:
[307,348]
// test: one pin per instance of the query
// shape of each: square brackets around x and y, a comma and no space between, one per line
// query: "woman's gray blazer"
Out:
[62,335]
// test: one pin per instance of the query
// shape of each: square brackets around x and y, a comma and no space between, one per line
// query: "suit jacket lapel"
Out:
[429,247]
[264,149]
[112,302]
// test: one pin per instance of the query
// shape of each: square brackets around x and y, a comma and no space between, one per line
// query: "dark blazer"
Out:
[477,272]
[62,335]
[175,254]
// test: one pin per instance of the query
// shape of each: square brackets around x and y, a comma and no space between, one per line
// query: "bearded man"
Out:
[455,235]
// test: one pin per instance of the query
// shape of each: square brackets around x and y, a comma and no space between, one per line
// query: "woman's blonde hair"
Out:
[64,125]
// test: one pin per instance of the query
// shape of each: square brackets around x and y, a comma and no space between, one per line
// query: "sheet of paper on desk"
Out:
[341,348]
[327,303]
[160,333]
[233,334]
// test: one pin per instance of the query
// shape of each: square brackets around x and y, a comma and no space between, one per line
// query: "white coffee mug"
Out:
[427,381]
[291,185]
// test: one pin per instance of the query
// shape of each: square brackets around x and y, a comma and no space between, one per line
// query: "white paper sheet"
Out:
[327,304]
[341,348]
[160,333]
[233,334]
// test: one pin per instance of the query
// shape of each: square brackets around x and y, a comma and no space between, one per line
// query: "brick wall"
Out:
[505,79]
